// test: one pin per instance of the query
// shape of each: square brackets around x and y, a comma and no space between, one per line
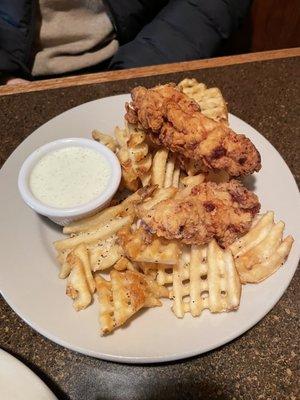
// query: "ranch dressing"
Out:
[69,177]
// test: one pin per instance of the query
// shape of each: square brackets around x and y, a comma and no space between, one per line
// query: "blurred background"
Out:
[270,25]
[49,38]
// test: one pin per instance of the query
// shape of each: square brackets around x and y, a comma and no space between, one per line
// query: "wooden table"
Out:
[148,71]
[260,88]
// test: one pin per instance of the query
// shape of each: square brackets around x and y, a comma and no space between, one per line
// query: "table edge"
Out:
[107,76]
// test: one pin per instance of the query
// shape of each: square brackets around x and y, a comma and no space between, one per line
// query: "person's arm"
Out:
[16,36]
[130,16]
[183,30]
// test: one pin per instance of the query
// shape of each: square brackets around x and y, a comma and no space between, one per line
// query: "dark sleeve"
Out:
[183,30]
[130,16]
[16,36]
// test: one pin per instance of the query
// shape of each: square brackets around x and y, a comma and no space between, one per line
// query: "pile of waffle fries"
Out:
[139,267]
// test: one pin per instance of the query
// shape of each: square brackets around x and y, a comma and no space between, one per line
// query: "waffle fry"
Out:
[65,267]
[124,264]
[160,273]
[211,101]
[123,296]
[102,255]
[105,253]
[204,278]
[81,252]
[213,282]
[159,167]
[107,140]
[262,250]
[146,178]
[140,246]
[168,179]
[92,222]
[102,232]
[106,316]
[126,207]
[211,176]
[133,155]
[190,181]
[164,171]
[156,197]
[80,282]
[256,234]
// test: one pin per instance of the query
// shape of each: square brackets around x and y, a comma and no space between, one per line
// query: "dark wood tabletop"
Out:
[262,89]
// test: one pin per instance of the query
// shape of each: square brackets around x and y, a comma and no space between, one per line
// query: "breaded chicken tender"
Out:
[174,120]
[204,212]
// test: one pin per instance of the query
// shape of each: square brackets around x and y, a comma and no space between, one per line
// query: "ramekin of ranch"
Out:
[69,179]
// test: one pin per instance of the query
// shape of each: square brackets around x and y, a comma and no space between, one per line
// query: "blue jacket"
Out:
[149,31]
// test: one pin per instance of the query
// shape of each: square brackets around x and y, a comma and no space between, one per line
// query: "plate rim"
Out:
[145,359]
[27,370]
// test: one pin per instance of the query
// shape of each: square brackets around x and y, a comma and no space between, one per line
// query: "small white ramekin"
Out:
[63,216]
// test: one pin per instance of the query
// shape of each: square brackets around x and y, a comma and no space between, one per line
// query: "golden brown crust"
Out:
[124,295]
[141,246]
[176,122]
[209,210]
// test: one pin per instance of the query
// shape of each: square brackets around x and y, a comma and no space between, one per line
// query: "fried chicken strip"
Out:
[175,121]
[206,211]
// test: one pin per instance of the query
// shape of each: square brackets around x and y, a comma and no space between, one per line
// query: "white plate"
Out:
[17,382]
[29,281]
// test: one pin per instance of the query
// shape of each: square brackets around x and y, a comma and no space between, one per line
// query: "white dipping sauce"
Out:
[69,177]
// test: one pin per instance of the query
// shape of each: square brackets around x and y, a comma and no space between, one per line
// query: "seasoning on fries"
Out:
[188,232]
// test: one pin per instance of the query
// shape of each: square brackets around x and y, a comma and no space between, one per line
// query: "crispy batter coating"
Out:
[175,121]
[197,215]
